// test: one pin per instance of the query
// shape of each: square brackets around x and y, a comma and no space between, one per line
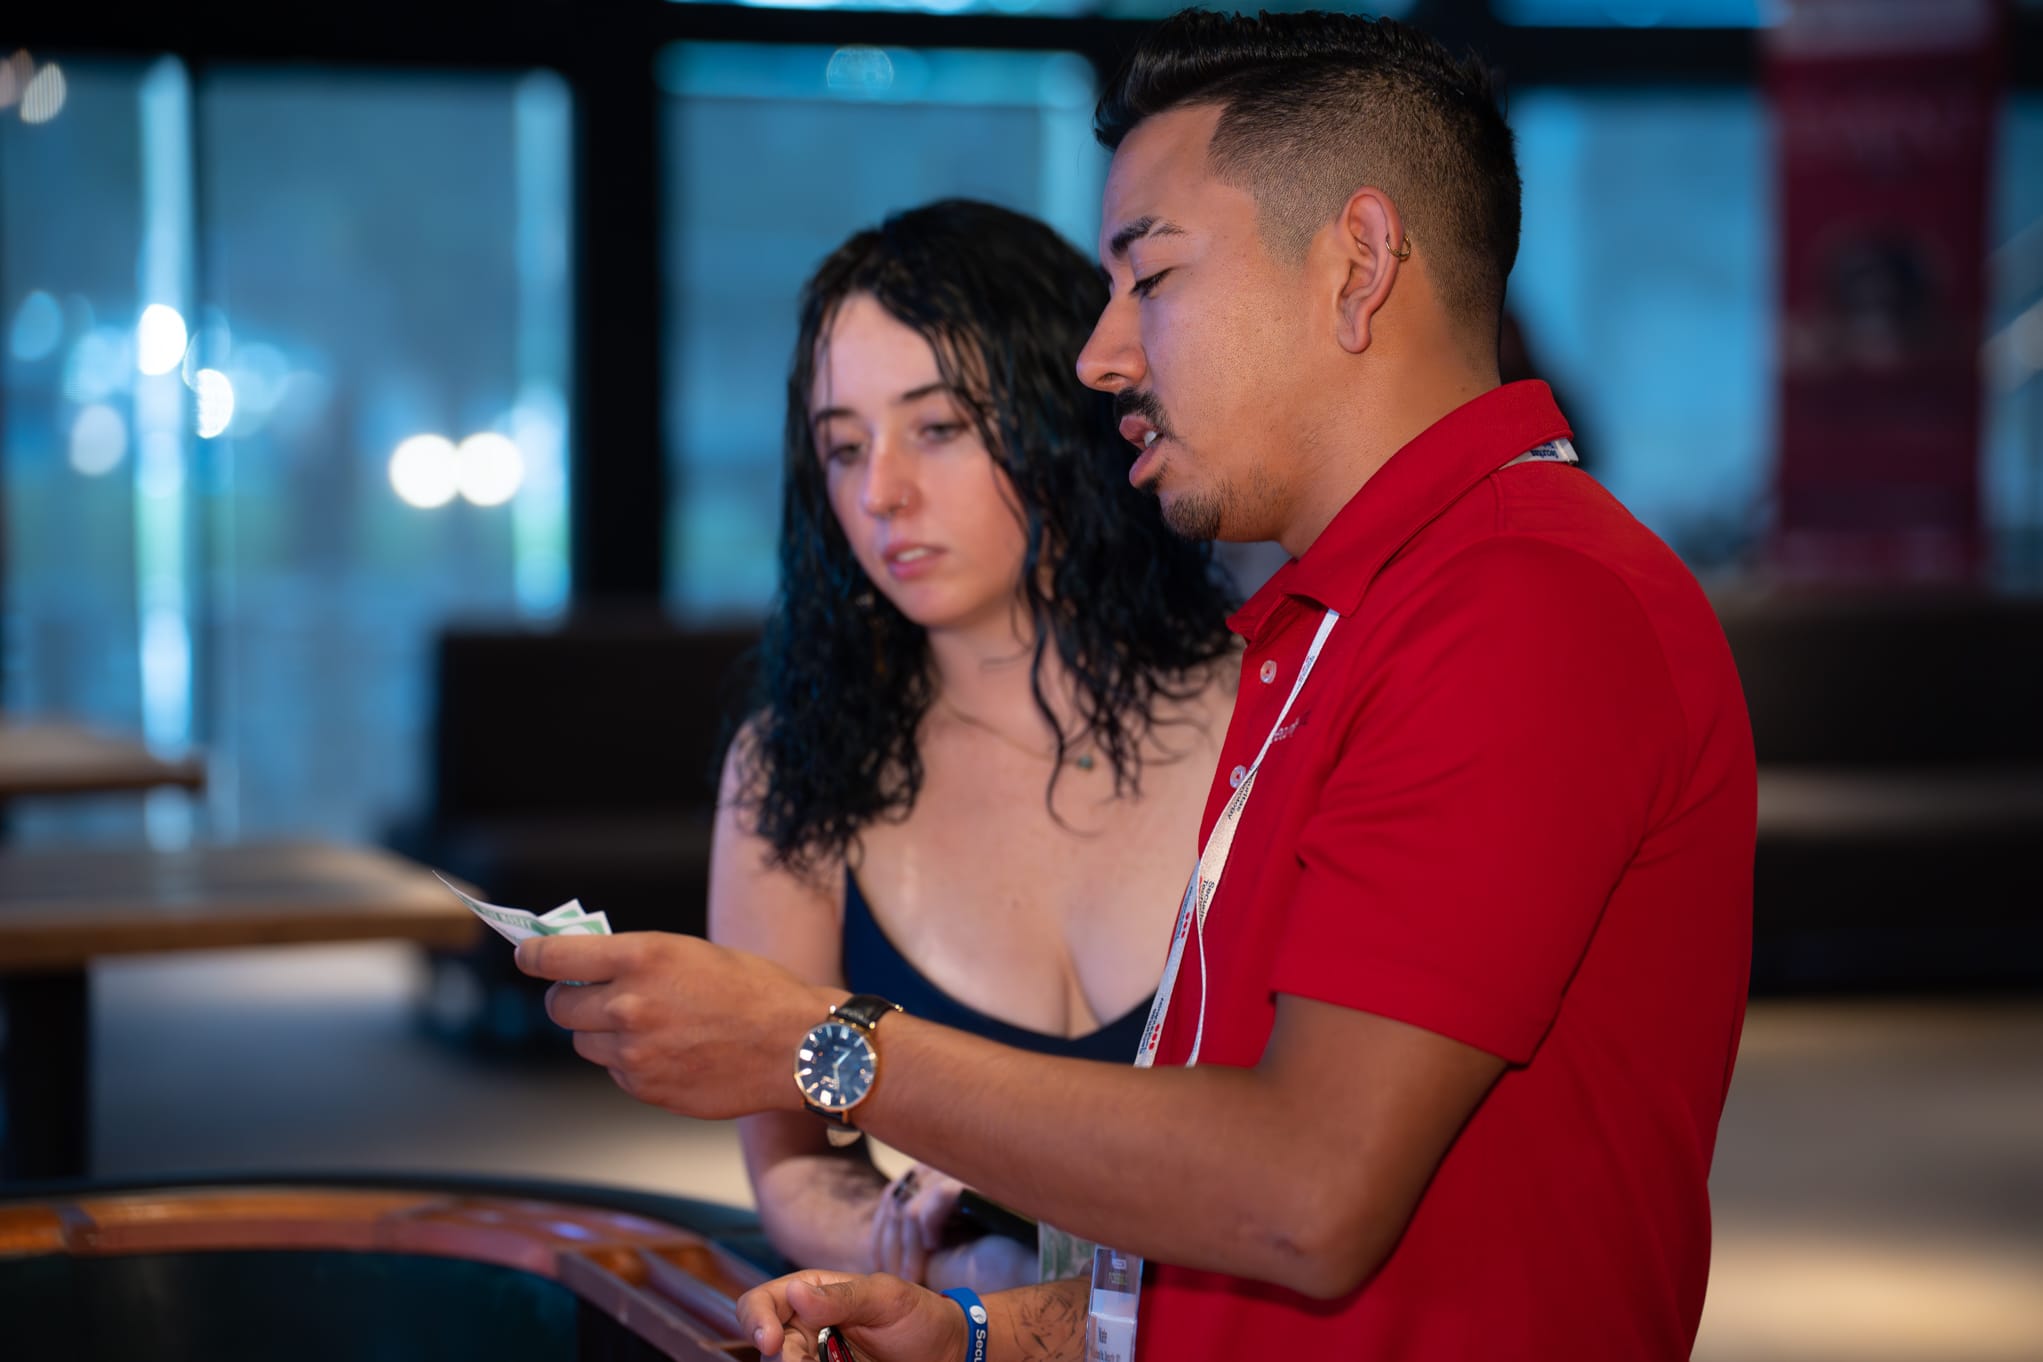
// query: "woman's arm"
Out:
[822,1206]
[815,1202]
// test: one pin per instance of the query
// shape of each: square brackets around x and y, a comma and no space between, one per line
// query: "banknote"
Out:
[515,924]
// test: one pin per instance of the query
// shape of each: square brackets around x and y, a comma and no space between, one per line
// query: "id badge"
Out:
[1110,1309]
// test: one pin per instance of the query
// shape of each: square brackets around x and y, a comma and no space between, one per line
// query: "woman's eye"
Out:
[1145,286]
[940,432]
[841,453]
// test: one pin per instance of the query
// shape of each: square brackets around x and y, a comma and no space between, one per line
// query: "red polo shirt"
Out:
[1514,806]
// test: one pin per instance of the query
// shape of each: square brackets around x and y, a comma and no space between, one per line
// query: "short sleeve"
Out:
[1497,776]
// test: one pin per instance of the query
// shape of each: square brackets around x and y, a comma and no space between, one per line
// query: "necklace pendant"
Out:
[1084,761]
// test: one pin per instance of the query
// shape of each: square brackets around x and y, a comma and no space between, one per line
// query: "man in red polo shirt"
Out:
[1452,1009]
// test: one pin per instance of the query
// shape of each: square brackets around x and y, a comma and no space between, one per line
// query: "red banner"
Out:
[1885,116]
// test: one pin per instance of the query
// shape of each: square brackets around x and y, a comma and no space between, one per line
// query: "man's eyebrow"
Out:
[1139,228]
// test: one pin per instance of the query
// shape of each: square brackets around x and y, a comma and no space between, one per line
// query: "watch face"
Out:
[834,1065]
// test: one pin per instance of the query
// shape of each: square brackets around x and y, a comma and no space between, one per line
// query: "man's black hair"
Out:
[1315,105]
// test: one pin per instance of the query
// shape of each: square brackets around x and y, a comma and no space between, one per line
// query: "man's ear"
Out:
[1370,239]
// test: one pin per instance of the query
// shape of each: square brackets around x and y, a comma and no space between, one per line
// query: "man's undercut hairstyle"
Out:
[1314,106]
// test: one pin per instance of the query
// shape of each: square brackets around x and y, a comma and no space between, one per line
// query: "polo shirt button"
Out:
[1236,777]
[1269,672]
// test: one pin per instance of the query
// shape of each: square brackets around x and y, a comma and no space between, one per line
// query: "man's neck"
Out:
[1365,437]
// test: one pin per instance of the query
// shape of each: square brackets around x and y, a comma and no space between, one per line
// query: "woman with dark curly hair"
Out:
[991,697]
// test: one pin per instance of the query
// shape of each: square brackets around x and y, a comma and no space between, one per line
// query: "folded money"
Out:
[514,924]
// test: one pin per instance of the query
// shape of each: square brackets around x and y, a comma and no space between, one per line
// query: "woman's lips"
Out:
[909,561]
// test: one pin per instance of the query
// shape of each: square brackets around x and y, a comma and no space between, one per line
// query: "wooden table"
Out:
[45,758]
[61,909]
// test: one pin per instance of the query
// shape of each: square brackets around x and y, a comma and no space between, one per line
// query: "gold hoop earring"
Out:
[1395,253]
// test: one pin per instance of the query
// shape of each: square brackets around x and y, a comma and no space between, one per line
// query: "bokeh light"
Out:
[425,471]
[860,70]
[160,339]
[38,324]
[43,99]
[215,402]
[490,468]
[99,439]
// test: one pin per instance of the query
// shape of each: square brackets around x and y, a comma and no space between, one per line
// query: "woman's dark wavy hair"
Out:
[1133,612]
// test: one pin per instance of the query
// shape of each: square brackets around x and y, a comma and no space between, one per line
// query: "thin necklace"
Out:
[1083,760]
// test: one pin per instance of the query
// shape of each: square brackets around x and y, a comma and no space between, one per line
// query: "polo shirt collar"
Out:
[1425,477]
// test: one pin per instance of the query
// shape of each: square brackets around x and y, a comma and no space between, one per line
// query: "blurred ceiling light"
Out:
[38,324]
[160,339]
[43,98]
[215,401]
[99,437]
[491,468]
[424,471]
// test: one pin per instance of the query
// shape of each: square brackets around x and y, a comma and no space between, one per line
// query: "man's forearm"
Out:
[1205,1167]
[1043,1323]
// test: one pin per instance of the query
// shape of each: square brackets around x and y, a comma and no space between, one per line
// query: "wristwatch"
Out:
[836,1065]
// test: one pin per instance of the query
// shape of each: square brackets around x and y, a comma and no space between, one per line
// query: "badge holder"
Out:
[1110,1311]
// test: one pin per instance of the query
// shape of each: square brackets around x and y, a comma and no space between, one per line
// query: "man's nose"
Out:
[1112,359]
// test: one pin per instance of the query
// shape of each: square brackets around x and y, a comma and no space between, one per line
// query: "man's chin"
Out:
[1190,515]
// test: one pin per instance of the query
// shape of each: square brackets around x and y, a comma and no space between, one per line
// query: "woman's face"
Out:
[933,520]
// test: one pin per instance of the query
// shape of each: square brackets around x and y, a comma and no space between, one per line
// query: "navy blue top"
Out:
[873,964]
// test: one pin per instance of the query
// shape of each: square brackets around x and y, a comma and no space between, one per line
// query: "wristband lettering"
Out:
[975,1321]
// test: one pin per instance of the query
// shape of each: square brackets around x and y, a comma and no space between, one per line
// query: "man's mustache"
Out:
[1129,402]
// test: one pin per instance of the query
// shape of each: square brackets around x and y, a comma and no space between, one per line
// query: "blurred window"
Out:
[343,380]
[1645,289]
[774,156]
[72,227]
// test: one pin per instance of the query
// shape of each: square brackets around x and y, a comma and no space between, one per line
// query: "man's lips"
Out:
[1139,431]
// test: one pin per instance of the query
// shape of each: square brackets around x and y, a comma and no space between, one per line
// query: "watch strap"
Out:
[864,1010]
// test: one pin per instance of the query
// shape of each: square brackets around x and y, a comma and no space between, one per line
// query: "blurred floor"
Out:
[1879,1184]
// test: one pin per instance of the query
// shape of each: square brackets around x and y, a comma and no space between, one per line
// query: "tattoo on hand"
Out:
[1049,1321]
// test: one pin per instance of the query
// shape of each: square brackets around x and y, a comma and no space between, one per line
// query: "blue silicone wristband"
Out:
[975,1320]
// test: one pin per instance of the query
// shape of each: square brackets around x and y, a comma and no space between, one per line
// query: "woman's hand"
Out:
[883,1318]
[992,1262]
[908,1222]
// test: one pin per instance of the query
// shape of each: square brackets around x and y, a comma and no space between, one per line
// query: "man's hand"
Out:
[680,1023]
[883,1318]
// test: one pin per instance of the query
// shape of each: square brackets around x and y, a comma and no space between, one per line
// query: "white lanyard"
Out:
[1116,1291]
[1198,899]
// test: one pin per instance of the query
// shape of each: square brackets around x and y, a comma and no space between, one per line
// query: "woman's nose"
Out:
[888,486]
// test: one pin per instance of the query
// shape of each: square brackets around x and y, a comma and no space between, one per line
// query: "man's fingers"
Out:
[585,1008]
[765,1311]
[598,1047]
[762,1312]
[847,1302]
[592,959]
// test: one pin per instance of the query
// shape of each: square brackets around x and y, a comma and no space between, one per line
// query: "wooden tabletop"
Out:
[59,909]
[42,758]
